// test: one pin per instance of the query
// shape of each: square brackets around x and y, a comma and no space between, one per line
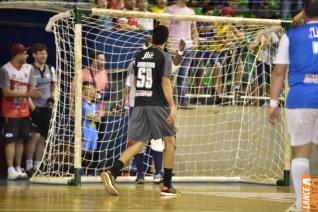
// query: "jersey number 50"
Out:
[144,78]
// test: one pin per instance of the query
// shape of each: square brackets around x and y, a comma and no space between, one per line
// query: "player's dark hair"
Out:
[94,55]
[38,47]
[311,8]
[160,35]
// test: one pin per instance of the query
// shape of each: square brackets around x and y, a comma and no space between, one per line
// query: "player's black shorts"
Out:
[17,128]
[41,117]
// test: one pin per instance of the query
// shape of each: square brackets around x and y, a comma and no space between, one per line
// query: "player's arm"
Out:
[31,105]
[8,92]
[167,90]
[278,76]
[177,59]
[195,35]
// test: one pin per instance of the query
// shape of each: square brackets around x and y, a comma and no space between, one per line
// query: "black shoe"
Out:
[30,172]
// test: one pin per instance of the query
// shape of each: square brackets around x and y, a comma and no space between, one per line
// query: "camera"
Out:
[50,101]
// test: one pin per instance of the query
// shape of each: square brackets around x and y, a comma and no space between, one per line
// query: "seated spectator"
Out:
[226,11]
[115,4]
[232,38]
[104,21]
[90,134]
[144,23]
[17,85]
[264,10]
[41,107]
[290,8]
[159,7]
[130,23]
[238,9]
[207,57]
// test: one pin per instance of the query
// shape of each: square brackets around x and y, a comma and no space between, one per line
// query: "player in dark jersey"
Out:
[154,113]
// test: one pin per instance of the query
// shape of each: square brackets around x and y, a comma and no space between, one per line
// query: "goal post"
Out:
[220,136]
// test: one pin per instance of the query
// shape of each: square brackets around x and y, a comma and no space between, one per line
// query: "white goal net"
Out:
[221,89]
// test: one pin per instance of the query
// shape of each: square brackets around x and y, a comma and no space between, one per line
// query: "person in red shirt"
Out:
[17,85]
[130,23]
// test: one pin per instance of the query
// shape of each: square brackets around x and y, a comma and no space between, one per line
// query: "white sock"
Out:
[29,164]
[11,170]
[299,168]
[18,169]
[37,165]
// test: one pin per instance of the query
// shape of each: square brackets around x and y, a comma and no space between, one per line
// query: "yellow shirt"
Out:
[222,33]
[156,9]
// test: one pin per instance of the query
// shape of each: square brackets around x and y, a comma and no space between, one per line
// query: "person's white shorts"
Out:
[302,125]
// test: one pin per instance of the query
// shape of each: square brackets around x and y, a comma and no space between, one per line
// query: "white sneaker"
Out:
[293,208]
[14,175]
[23,174]
[157,179]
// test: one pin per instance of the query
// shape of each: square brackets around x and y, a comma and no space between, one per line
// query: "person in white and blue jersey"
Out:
[298,50]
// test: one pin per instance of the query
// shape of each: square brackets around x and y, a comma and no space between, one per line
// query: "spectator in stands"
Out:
[238,9]
[115,4]
[104,21]
[130,23]
[144,23]
[41,107]
[264,10]
[226,11]
[187,31]
[17,85]
[159,7]
[289,7]
[97,75]
[90,119]
[207,55]
[233,39]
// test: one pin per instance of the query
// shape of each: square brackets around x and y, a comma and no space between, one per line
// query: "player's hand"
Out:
[182,45]
[172,116]
[273,115]
[34,93]
[148,41]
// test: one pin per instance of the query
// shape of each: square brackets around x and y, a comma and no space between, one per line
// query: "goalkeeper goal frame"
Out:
[78,13]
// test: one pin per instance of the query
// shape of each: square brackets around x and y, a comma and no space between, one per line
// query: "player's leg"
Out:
[10,136]
[156,152]
[33,142]
[30,149]
[43,130]
[139,159]
[138,131]
[301,128]
[160,128]
[108,178]
[39,152]
[24,134]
